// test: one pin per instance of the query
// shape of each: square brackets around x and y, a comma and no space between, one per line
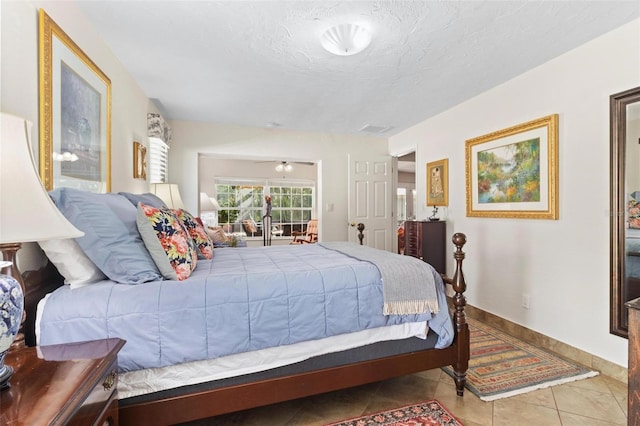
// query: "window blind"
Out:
[158,161]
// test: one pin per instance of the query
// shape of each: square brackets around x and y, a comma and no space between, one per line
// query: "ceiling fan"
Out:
[287,166]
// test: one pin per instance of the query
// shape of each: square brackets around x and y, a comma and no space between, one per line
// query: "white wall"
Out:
[19,80]
[563,265]
[210,168]
[330,151]
[19,89]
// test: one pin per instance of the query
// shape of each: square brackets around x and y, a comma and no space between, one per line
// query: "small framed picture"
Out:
[438,183]
[139,161]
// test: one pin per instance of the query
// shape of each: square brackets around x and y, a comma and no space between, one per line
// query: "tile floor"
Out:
[590,402]
[600,400]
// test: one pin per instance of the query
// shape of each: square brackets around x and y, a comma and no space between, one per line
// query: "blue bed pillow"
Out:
[111,239]
[147,198]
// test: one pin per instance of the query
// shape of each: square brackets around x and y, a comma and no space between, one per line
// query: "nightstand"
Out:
[71,384]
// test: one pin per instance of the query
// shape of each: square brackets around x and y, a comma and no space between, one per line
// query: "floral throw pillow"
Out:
[197,233]
[167,241]
[633,209]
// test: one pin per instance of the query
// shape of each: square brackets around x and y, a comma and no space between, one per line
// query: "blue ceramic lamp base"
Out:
[5,375]
[11,307]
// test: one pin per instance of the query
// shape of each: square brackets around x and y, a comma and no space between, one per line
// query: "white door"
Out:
[371,200]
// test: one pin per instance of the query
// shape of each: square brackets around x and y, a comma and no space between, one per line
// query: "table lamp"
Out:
[208,205]
[27,214]
[169,193]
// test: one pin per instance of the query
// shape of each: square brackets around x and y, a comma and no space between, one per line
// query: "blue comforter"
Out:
[242,300]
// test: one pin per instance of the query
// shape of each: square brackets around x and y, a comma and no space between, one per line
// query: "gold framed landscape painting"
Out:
[438,183]
[75,114]
[513,173]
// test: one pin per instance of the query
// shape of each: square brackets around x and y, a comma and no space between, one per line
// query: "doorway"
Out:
[406,199]
[406,190]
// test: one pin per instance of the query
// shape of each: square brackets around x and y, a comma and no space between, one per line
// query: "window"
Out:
[292,204]
[158,161]
[239,202]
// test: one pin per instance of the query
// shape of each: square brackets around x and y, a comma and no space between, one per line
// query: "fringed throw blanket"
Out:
[407,282]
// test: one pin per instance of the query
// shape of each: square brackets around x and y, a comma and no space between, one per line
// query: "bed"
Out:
[224,367]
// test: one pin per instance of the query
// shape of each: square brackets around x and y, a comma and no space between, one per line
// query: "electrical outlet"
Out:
[526,302]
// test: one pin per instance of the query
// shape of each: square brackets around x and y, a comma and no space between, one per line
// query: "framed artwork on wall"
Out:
[438,183]
[139,161]
[75,114]
[513,173]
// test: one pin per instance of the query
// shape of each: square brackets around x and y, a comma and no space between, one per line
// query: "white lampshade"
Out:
[216,205]
[208,204]
[169,193]
[346,39]
[27,213]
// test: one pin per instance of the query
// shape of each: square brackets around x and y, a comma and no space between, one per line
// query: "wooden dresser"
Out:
[426,240]
[73,384]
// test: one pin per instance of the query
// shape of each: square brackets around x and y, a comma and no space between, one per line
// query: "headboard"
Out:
[37,284]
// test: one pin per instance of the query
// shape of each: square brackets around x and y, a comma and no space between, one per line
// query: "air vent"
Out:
[375,129]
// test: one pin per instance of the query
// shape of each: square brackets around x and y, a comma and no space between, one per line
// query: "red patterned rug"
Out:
[502,366]
[430,413]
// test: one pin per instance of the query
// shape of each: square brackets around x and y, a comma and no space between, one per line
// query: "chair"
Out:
[309,236]
[250,228]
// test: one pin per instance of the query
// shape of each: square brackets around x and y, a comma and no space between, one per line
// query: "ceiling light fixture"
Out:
[284,166]
[346,39]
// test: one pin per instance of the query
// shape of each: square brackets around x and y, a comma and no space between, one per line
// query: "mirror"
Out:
[625,206]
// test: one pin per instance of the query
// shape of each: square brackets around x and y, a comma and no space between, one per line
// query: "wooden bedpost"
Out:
[459,317]
[361,232]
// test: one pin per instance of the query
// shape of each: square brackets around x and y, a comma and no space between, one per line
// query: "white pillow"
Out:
[76,268]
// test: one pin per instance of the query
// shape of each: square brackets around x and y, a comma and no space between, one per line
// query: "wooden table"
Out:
[72,384]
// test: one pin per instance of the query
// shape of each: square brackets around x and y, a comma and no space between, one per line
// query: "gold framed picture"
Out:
[75,114]
[139,161]
[513,173]
[438,183]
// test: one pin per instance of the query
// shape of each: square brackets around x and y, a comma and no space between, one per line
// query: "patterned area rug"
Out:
[502,366]
[427,413]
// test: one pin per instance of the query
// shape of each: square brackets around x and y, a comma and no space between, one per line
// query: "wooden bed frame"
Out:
[202,404]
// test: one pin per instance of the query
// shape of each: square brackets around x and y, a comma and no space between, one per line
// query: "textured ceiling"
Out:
[259,62]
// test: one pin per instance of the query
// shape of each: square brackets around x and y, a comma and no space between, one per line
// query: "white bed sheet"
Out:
[140,382]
